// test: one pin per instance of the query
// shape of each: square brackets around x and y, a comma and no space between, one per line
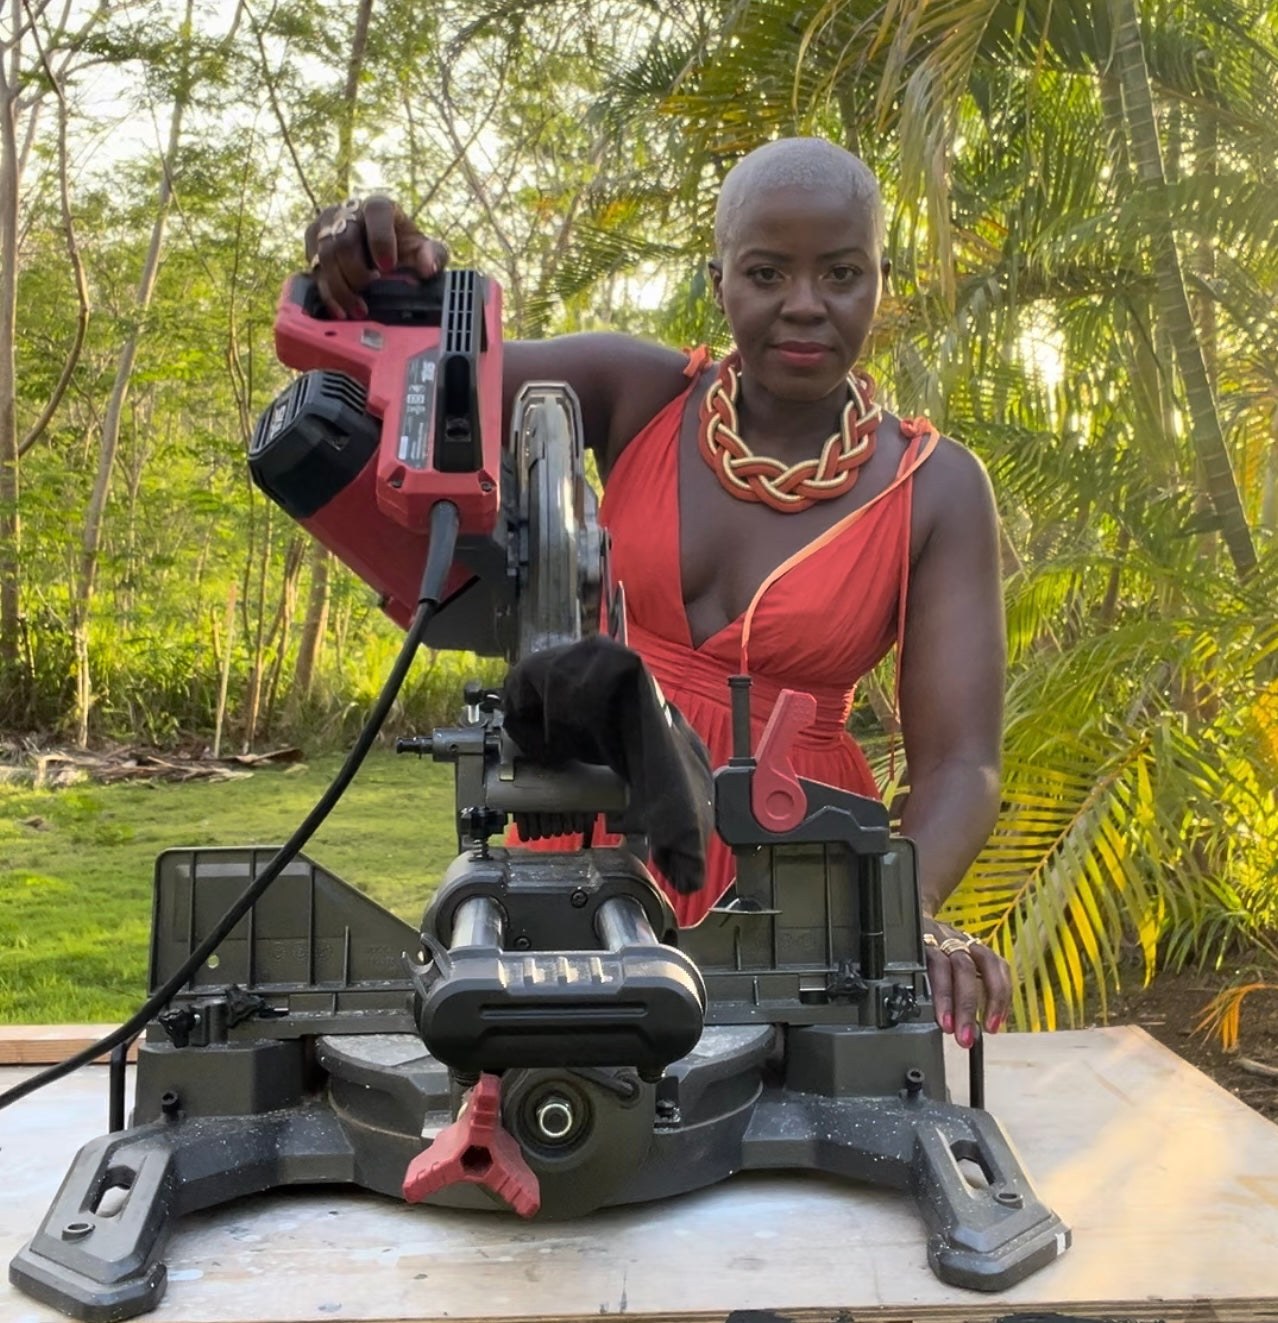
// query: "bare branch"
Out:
[278,112]
[481,195]
[81,284]
[459,152]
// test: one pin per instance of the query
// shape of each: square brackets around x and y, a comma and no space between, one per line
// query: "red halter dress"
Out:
[818,623]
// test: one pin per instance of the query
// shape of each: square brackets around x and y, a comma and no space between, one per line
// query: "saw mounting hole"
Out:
[114,1193]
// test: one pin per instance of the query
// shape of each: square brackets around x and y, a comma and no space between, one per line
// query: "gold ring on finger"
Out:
[929,939]
[952,944]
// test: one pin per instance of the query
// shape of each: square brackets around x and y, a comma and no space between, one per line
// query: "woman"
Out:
[767,516]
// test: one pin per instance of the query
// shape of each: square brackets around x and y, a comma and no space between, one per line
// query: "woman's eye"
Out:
[844,274]
[765,275]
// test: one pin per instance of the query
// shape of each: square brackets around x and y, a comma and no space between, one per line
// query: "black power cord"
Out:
[444,524]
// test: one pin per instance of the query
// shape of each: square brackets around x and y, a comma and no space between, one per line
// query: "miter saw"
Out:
[546,1042]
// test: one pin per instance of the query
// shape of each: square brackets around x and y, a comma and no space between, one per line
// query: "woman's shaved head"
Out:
[808,164]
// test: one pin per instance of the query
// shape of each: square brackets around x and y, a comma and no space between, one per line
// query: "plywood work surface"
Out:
[44,1044]
[1169,1183]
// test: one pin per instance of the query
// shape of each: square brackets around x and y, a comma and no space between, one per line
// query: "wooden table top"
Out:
[1169,1183]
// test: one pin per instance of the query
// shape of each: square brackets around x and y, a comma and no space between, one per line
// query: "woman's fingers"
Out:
[427,257]
[350,244]
[339,298]
[956,993]
[394,242]
[939,977]
[996,975]
[383,221]
[965,992]
[351,270]
[970,983]
[337,252]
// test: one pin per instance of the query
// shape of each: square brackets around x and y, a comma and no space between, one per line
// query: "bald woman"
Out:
[768,515]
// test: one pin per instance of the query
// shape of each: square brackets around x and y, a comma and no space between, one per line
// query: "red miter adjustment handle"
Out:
[776,797]
[479,1149]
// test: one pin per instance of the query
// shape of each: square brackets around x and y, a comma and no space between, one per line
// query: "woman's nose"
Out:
[802,301]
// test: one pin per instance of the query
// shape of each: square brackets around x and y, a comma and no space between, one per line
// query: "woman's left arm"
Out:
[952,716]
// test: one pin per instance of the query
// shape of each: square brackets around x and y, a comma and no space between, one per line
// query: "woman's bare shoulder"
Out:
[953,496]
[621,381]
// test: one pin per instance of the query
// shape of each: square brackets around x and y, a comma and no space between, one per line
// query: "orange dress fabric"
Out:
[818,623]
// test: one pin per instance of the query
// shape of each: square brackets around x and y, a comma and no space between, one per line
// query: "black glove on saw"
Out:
[596,701]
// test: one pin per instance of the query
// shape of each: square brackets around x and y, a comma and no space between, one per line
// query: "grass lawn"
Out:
[76,865]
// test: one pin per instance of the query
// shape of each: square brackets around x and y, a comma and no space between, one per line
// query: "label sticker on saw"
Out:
[418,409]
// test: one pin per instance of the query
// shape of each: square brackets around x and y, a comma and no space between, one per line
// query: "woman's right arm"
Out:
[621,382]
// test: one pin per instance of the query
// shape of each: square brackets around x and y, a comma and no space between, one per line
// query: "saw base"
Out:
[723,1109]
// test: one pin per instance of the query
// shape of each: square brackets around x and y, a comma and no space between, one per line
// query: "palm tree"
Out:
[1056,175]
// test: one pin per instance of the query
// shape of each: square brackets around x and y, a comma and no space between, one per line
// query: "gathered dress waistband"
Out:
[682,670]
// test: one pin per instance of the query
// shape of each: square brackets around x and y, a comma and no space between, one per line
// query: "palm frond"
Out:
[1222,1016]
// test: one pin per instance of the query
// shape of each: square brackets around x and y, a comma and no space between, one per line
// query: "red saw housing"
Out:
[393,414]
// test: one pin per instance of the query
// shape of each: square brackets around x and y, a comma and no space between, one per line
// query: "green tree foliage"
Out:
[1058,176]
[1082,199]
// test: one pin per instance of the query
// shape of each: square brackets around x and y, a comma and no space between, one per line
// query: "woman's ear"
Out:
[715,267]
[885,265]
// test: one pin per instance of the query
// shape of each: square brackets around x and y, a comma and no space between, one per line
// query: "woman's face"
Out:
[800,282]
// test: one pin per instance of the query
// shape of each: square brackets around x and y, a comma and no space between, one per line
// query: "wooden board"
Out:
[47,1044]
[1169,1182]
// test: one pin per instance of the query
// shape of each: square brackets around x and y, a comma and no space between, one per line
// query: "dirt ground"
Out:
[1173,1004]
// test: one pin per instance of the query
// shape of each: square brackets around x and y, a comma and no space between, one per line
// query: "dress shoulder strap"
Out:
[923,438]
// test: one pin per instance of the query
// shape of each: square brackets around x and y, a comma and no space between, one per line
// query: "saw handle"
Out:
[777,800]
[402,298]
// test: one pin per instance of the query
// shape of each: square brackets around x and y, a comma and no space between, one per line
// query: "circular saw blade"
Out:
[561,546]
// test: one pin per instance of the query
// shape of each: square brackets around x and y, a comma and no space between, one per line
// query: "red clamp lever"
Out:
[479,1149]
[776,797]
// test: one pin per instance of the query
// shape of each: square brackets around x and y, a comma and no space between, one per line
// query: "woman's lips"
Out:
[798,353]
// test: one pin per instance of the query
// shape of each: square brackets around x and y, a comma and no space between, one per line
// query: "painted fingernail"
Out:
[385,264]
[947,1022]
[966,1036]
[994,1024]
[361,309]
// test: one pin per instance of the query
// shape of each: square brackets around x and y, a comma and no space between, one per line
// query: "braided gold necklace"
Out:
[788,488]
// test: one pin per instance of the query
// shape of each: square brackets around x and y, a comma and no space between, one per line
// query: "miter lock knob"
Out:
[479,822]
[476,1149]
[178,1022]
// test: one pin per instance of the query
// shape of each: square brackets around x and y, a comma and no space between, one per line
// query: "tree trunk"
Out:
[253,700]
[223,667]
[315,625]
[281,626]
[10,527]
[350,98]
[1205,430]
[17,87]
[91,539]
